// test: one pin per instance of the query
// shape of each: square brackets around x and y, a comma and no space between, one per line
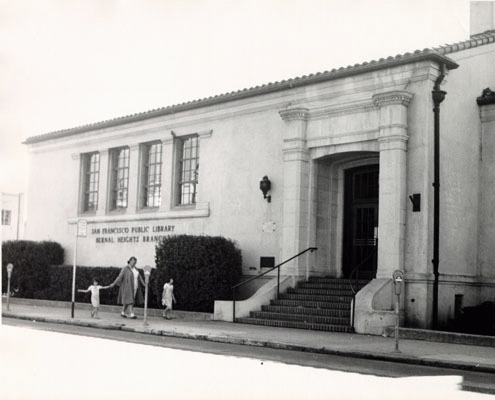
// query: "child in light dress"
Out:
[167,298]
[95,296]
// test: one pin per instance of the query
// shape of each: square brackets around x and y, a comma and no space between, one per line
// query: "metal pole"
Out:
[233,305]
[397,321]
[147,278]
[438,97]
[8,292]
[74,277]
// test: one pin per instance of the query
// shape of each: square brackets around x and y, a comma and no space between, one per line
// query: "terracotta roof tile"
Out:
[438,54]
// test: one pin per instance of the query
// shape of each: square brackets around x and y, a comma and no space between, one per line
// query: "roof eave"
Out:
[340,73]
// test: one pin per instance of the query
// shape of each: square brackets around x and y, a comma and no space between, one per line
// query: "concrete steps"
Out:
[320,304]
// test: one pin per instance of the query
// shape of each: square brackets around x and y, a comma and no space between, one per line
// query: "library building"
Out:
[383,166]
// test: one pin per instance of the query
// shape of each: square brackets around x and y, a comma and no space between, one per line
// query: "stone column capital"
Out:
[295,114]
[396,97]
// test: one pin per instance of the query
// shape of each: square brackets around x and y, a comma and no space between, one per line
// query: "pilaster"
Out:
[393,138]
[296,189]
[486,249]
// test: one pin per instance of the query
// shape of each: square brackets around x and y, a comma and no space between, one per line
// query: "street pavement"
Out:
[202,327]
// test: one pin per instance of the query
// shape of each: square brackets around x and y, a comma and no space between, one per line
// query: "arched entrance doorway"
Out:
[346,193]
[360,233]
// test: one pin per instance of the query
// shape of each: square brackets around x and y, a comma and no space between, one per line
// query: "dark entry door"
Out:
[360,222]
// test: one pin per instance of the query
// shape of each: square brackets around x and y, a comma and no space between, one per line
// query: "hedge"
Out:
[31,262]
[204,269]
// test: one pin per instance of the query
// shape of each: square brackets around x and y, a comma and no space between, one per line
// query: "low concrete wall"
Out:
[374,308]
[223,309]
[440,336]
[246,291]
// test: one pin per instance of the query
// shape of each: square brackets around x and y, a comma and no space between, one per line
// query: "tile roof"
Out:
[438,54]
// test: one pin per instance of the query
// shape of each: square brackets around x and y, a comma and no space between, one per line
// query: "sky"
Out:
[65,63]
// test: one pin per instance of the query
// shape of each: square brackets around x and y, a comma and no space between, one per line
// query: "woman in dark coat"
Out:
[129,282]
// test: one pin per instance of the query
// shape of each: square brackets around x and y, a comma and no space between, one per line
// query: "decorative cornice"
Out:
[399,97]
[295,114]
[487,97]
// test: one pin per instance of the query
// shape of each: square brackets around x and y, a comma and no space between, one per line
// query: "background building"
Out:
[12,216]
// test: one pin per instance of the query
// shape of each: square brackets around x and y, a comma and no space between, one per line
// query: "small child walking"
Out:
[95,297]
[168,297]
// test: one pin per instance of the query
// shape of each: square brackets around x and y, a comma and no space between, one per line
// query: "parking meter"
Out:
[10,267]
[398,279]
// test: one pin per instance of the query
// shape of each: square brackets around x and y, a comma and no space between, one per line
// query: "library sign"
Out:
[131,234]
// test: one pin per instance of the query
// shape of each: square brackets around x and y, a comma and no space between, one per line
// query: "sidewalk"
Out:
[202,327]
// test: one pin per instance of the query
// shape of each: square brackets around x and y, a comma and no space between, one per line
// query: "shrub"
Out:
[204,269]
[31,262]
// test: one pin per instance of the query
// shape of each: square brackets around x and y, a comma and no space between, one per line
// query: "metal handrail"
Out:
[264,273]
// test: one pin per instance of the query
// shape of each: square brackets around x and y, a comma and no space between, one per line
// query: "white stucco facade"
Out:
[305,134]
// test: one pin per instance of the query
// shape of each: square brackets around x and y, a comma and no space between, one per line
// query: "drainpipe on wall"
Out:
[438,96]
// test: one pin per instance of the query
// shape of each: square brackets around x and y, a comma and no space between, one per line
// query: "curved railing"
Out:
[277,267]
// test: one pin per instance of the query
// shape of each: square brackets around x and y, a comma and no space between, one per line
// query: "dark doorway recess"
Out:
[360,222]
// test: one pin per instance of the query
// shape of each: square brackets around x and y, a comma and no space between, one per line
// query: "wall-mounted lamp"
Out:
[265,186]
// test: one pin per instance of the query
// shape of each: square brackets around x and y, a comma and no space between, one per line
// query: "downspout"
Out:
[438,96]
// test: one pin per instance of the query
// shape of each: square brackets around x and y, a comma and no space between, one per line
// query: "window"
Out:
[91,178]
[188,170]
[119,159]
[6,217]
[152,174]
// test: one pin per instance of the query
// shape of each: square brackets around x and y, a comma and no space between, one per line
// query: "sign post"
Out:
[81,230]
[398,278]
[10,267]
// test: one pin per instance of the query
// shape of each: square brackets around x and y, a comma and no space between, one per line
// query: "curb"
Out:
[396,357]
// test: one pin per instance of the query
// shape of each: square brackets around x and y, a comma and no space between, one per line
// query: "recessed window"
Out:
[119,179]
[188,170]
[152,174]
[91,166]
[6,217]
